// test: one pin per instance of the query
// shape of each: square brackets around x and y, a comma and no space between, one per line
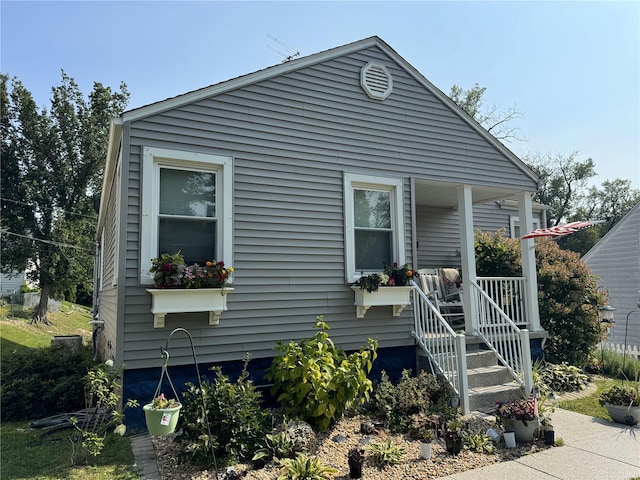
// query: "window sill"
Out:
[212,300]
[398,297]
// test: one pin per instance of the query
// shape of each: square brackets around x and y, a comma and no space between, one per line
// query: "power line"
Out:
[92,217]
[51,242]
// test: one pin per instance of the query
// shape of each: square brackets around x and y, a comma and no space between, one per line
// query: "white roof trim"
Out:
[113,150]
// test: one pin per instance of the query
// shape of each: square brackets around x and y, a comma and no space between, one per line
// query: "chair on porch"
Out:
[449,306]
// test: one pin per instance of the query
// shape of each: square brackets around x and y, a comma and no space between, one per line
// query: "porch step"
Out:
[483,399]
[481,358]
[488,376]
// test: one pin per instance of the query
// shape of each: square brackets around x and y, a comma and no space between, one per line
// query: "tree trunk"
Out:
[40,313]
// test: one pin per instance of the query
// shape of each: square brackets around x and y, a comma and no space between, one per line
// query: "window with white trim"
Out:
[186,206]
[374,224]
[514,222]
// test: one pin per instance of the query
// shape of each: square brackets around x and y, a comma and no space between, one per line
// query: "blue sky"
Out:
[572,68]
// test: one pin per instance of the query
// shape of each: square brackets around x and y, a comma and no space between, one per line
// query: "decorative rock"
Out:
[303,436]
[339,439]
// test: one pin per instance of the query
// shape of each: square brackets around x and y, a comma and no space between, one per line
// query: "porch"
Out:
[488,356]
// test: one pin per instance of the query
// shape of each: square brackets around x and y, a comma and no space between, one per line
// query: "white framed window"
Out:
[514,224]
[374,224]
[186,206]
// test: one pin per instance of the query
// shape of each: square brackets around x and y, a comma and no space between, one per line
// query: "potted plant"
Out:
[622,404]
[544,412]
[355,458]
[519,416]
[426,437]
[188,288]
[162,415]
[453,437]
[389,287]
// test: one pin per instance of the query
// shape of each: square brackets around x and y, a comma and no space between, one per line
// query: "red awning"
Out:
[561,230]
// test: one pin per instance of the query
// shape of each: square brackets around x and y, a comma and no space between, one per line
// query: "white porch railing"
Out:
[508,294]
[508,342]
[445,349]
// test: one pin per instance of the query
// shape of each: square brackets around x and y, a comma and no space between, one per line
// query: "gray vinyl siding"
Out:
[615,260]
[291,139]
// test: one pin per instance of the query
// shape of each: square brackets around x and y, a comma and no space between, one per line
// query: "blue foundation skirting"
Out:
[141,384]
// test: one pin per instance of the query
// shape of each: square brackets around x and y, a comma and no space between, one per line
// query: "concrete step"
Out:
[483,399]
[481,358]
[488,376]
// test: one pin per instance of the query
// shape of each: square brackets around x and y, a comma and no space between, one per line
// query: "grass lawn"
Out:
[589,405]
[24,454]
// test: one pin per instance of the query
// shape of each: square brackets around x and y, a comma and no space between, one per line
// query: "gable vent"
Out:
[376,81]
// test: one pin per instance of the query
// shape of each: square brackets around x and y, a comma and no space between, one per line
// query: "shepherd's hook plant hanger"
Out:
[165,372]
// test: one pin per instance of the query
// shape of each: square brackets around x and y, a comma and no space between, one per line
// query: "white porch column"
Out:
[527,250]
[468,257]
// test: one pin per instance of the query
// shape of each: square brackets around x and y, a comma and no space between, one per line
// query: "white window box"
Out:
[212,300]
[398,297]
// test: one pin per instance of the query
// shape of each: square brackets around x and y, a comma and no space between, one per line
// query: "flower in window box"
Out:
[170,271]
[391,276]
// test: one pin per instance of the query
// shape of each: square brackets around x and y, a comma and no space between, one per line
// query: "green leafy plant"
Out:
[161,402]
[276,445]
[558,378]
[519,409]
[317,381]
[102,400]
[391,276]
[420,394]
[479,442]
[41,382]
[386,453]
[235,415]
[304,467]
[618,395]
[167,270]
[426,435]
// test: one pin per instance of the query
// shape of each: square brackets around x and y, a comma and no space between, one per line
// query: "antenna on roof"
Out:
[290,54]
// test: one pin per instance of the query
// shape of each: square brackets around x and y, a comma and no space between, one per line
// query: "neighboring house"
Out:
[11,283]
[615,260]
[294,157]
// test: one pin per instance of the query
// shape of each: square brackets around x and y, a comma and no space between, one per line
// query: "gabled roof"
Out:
[631,216]
[303,62]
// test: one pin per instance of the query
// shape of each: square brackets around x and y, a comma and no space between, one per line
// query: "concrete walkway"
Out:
[144,457]
[594,450]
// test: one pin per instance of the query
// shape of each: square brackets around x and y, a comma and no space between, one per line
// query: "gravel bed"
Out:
[413,467]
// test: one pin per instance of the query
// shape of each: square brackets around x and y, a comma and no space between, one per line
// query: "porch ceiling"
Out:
[445,194]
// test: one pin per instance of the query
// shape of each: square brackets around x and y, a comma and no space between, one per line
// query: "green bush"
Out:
[38,383]
[236,418]
[561,378]
[566,293]
[422,394]
[317,381]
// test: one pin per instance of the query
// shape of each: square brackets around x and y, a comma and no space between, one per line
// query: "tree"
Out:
[52,167]
[566,292]
[493,119]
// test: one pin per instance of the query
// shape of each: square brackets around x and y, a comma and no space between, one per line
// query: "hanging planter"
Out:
[161,421]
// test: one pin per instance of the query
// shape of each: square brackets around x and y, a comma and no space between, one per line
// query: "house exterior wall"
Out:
[438,233]
[292,138]
[615,260]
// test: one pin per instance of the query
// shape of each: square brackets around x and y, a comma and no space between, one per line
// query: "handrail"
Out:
[445,349]
[508,293]
[504,338]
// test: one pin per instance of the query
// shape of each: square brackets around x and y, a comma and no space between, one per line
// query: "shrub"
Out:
[422,394]
[38,383]
[236,418]
[566,293]
[560,378]
[317,381]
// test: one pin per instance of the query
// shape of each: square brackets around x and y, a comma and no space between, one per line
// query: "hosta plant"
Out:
[304,467]
[386,453]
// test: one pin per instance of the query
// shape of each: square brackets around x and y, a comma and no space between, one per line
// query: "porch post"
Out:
[468,257]
[527,250]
